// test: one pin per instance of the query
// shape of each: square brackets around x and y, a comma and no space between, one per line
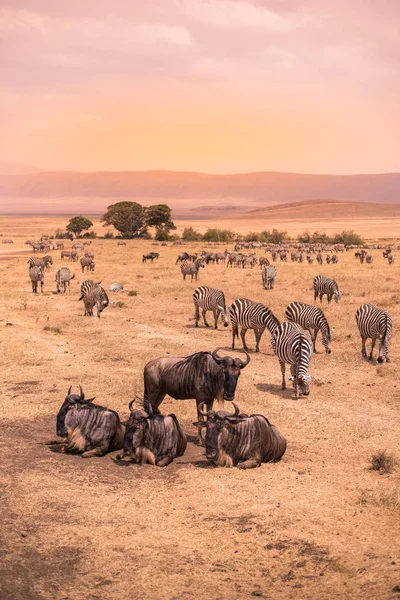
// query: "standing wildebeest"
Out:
[242,441]
[150,256]
[152,439]
[203,376]
[92,295]
[63,277]
[36,274]
[376,324]
[181,257]
[88,428]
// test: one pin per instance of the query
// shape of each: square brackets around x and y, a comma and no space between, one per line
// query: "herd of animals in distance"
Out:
[231,438]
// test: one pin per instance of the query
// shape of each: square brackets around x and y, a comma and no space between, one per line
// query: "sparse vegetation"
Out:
[132,293]
[120,304]
[53,329]
[382,462]
[348,238]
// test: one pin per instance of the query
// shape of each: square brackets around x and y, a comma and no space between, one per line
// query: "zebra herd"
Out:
[294,340]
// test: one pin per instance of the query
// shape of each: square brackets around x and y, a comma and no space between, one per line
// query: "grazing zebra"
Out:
[263,261]
[325,285]
[310,259]
[320,260]
[268,277]
[87,262]
[210,299]
[192,269]
[292,346]
[44,262]
[63,277]
[250,315]
[390,259]
[376,324]
[369,259]
[92,295]
[311,319]
[36,274]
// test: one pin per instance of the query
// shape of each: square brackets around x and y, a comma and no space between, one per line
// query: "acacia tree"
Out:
[78,224]
[129,218]
[159,216]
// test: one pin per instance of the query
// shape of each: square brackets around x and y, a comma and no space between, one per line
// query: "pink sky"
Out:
[217,86]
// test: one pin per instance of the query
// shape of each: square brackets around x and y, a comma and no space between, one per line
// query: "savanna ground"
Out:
[318,525]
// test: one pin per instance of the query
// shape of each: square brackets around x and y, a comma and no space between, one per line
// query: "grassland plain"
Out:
[318,525]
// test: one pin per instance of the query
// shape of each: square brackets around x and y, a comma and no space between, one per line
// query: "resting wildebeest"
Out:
[204,376]
[238,440]
[87,428]
[152,439]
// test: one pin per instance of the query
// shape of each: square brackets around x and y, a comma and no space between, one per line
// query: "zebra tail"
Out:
[386,330]
[81,298]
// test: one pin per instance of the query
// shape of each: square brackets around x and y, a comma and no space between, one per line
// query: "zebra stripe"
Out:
[87,262]
[44,262]
[250,315]
[268,277]
[325,285]
[292,346]
[210,299]
[36,274]
[311,319]
[92,295]
[376,324]
[63,277]
[188,268]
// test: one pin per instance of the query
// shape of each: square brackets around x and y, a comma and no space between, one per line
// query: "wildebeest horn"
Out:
[130,405]
[69,391]
[219,359]
[204,414]
[237,410]
[246,362]
[82,396]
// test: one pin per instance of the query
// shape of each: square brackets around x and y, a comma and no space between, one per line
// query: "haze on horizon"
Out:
[216,86]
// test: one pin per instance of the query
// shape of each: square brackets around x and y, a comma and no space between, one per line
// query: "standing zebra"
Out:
[250,315]
[268,277]
[376,324]
[325,285]
[312,319]
[292,346]
[63,278]
[87,262]
[92,295]
[188,268]
[44,262]
[210,299]
[36,274]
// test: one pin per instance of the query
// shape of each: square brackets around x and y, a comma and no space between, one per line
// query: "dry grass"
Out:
[383,462]
[92,529]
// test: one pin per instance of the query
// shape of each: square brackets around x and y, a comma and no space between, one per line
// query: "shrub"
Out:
[120,304]
[219,235]
[132,293]
[190,235]
[382,462]
[109,235]
[53,329]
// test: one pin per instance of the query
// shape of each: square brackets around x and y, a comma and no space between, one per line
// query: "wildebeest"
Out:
[87,428]
[152,439]
[238,440]
[150,256]
[204,376]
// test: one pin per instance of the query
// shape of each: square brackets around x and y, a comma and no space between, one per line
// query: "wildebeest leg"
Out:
[204,317]
[156,403]
[196,314]
[363,348]
[243,336]
[94,452]
[251,463]
[200,418]
[283,369]
[163,462]
[372,348]
[41,287]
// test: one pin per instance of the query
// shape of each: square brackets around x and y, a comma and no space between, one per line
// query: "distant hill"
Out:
[191,194]
[321,210]
[17,169]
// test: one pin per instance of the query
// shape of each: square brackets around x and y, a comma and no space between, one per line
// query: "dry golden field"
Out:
[318,525]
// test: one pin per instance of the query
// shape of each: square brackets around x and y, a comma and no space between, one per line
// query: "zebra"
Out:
[92,295]
[63,277]
[335,259]
[117,287]
[312,319]
[192,269]
[268,277]
[320,260]
[87,262]
[263,261]
[36,274]
[369,259]
[212,299]
[390,259]
[250,315]
[310,258]
[376,324]
[325,285]
[44,262]
[292,346]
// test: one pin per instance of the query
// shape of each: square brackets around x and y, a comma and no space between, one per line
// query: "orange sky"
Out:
[206,85]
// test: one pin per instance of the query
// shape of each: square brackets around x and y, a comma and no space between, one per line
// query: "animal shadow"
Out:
[275,390]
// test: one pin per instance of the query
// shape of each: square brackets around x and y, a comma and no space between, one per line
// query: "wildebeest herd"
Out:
[231,437]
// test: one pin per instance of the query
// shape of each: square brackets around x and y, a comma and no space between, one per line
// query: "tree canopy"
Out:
[128,218]
[78,224]
[159,216]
